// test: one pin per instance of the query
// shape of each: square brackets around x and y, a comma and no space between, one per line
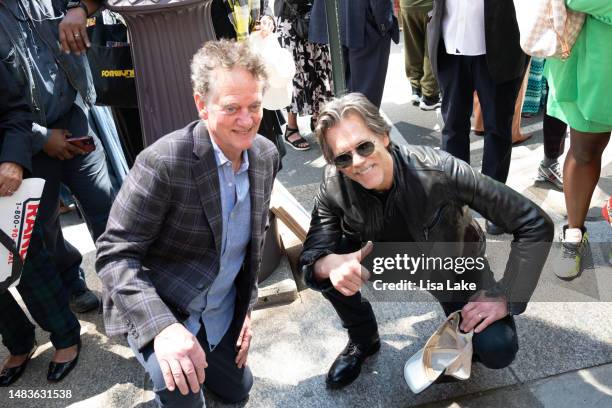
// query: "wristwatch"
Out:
[77,3]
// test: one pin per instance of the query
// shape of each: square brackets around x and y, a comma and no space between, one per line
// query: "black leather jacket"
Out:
[433,192]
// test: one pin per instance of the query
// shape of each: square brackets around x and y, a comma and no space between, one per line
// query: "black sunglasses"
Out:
[364,149]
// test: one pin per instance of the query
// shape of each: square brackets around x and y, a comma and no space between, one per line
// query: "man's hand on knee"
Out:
[181,358]
[479,313]
[344,271]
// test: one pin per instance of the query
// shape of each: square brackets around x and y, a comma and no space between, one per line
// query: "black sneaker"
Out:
[416,96]
[430,103]
[573,256]
[84,301]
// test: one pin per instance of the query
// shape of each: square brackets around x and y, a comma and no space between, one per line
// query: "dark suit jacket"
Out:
[505,58]
[354,15]
[15,122]
[163,238]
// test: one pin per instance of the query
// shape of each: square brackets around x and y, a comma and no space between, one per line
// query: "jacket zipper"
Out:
[436,218]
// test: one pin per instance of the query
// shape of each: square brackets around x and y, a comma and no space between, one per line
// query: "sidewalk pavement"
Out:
[565,357]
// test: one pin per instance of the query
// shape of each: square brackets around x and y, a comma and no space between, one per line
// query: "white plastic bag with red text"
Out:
[17,216]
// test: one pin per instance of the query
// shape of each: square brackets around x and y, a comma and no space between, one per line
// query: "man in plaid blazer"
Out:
[183,244]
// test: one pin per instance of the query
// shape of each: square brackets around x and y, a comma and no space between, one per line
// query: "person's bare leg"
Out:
[65,354]
[15,360]
[478,121]
[292,135]
[517,136]
[292,120]
[581,172]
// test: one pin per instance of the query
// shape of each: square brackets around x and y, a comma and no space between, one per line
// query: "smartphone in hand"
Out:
[85,143]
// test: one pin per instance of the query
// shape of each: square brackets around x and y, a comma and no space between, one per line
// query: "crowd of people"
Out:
[179,238]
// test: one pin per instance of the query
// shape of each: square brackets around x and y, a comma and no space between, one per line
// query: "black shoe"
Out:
[57,371]
[84,301]
[347,366]
[10,375]
[493,229]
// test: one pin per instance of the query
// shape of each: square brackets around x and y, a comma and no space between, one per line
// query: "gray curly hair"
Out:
[336,109]
[224,54]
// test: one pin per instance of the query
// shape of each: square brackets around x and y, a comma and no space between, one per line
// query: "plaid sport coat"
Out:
[162,242]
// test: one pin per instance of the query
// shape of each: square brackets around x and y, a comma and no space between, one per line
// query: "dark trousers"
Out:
[87,178]
[223,377]
[365,68]
[458,77]
[45,295]
[554,136]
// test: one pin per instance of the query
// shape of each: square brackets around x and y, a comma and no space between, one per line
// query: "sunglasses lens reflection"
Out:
[346,159]
[365,149]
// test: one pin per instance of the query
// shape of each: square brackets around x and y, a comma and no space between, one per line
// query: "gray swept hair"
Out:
[339,108]
[226,54]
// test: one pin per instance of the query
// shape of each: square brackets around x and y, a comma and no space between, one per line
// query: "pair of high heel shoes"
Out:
[448,351]
[57,371]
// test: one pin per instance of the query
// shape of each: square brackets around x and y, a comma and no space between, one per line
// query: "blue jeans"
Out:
[223,378]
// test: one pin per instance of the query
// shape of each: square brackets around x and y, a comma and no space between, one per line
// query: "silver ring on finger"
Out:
[77,35]
[480,315]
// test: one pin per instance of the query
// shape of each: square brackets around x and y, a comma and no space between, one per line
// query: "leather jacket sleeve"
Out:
[532,228]
[323,237]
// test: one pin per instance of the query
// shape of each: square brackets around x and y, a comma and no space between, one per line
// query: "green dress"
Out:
[580,86]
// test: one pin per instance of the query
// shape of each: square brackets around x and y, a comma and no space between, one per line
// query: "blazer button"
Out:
[200,286]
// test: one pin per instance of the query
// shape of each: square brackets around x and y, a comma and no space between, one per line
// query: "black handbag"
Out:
[110,60]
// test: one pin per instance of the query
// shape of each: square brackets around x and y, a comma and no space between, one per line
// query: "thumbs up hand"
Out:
[344,271]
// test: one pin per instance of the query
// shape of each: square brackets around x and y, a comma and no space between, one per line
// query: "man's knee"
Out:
[496,347]
[237,391]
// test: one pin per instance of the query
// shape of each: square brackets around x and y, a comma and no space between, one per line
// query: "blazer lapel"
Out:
[256,190]
[207,181]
